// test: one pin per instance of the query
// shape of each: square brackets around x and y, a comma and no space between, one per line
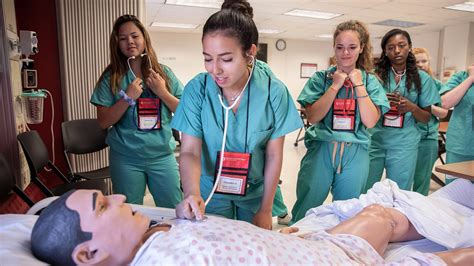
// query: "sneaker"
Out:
[284,219]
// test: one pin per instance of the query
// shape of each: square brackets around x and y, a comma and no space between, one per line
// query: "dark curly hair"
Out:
[383,65]
[234,20]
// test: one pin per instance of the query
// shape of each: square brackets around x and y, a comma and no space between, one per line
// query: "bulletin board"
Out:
[308,69]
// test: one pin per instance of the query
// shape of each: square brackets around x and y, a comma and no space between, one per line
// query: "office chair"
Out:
[85,136]
[37,157]
[7,183]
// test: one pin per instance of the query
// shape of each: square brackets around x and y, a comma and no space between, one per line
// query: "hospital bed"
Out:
[15,229]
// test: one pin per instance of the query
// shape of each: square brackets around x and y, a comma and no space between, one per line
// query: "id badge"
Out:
[392,118]
[343,115]
[235,173]
[149,113]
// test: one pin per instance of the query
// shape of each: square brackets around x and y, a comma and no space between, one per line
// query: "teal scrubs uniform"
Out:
[427,151]
[460,135]
[396,149]
[266,111]
[139,158]
[328,150]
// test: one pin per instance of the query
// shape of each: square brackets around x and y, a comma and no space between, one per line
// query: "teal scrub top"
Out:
[460,135]
[430,130]
[407,137]
[266,107]
[124,137]
[315,88]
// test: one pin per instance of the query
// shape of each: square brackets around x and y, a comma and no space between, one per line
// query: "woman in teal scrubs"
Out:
[428,146]
[260,113]
[135,97]
[337,158]
[458,92]
[395,138]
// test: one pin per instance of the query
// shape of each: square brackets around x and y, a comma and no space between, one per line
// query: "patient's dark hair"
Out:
[57,232]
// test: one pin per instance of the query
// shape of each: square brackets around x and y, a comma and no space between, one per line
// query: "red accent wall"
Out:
[40,16]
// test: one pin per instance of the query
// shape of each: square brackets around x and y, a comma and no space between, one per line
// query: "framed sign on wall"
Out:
[308,69]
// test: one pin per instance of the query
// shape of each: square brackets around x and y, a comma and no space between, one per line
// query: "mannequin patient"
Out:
[85,227]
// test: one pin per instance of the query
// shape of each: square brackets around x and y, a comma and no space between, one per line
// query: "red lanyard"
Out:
[347,84]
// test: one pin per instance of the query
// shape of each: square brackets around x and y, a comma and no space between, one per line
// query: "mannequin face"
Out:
[225,60]
[347,49]
[116,229]
[422,61]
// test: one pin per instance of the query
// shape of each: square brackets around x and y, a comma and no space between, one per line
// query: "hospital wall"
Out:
[183,53]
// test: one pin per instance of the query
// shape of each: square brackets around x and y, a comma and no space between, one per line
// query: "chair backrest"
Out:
[6,178]
[35,151]
[7,183]
[83,136]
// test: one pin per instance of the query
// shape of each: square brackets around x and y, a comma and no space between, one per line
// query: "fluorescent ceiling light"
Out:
[196,3]
[270,31]
[398,23]
[466,6]
[311,14]
[174,25]
[325,36]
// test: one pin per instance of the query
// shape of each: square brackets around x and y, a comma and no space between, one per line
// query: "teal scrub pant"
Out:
[452,157]
[241,208]
[318,174]
[399,165]
[131,175]
[427,155]
[279,207]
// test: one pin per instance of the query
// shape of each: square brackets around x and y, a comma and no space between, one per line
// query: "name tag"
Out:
[235,172]
[343,115]
[392,118]
[149,113]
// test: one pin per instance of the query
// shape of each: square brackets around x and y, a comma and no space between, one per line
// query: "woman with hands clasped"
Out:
[135,97]
[395,138]
[341,103]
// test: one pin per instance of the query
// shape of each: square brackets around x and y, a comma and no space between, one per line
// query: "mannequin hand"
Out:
[338,79]
[289,230]
[156,83]
[406,106]
[356,77]
[192,207]
[135,89]
[263,220]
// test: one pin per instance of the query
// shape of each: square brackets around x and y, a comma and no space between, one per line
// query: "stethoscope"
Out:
[135,76]
[227,108]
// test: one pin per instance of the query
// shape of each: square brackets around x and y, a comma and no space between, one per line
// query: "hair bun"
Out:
[241,6]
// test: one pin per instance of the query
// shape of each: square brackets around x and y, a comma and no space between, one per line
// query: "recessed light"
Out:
[311,14]
[466,6]
[174,25]
[325,36]
[196,3]
[270,31]
[397,23]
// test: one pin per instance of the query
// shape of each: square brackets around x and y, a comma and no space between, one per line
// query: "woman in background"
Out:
[238,114]
[395,138]
[341,103]
[135,96]
[428,147]
[458,92]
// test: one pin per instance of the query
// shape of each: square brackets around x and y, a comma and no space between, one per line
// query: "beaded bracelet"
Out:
[127,98]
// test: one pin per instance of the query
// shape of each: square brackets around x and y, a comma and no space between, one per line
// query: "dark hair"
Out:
[234,20]
[118,66]
[383,65]
[364,61]
[57,232]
